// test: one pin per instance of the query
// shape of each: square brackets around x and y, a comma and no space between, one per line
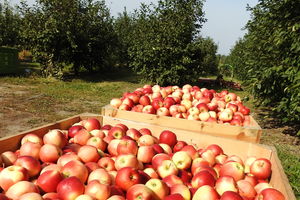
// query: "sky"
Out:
[225,18]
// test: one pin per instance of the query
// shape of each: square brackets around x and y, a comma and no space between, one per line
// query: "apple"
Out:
[51,196]
[134,97]
[203,178]
[127,101]
[175,196]
[209,156]
[32,165]
[100,175]
[137,108]
[88,153]
[225,183]
[163,111]
[71,147]
[31,196]
[251,179]
[30,137]
[232,106]
[84,197]
[70,188]
[245,189]
[65,158]
[124,107]
[55,137]
[20,188]
[216,149]
[126,160]
[182,160]
[225,116]
[117,132]
[166,168]
[73,130]
[205,192]
[97,142]
[149,109]
[107,163]
[204,116]
[116,197]
[181,189]
[167,149]
[112,147]
[158,187]
[233,169]
[127,177]
[92,124]
[27,149]
[50,166]
[144,100]
[151,172]
[270,193]
[261,168]
[145,131]
[244,110]
[234,158]
[186,103]
[198,163]
[179,145]
[230,195]
[82,137]
[11,175]
[115,103]
[158,149]
[50,153]
[168,137]
[221,159]
[9,157]
[141,192]
[49,180]
[127,147]
[145,154]
[202,107]
[75,168]
[261,186]
[158,159]
[248,163]
[91,166]
[146,140]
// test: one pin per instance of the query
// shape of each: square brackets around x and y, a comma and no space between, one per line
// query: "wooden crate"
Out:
[250,133]
[230,146]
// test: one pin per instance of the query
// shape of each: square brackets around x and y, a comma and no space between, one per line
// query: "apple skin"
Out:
[116,197]
[205,192]
[115,103]
[67,157]
[92,124]
[149,109]
[172,180]
[216,149]
[175,196]
[270,194]
[230,195]
[100,175]
[107,163]
[151,172]
[245,189]
[30,137]
[117,132]
[158,159]
[179,145]
[145,131]
[261,168]
[198,162]
[158,187]
[9,158]
[49,180]
[51,196]
[141,192]
[190,149]
[3,197]
[20,188]
[127,177]
[145,154]
[11,175]
[203,178]
[97,190]
[182,160]
[225,183]
[28,149]
[82,137]
[84,197]
[166,168]
[168,137]
[50,153]
[127,147]
[88,153]
[126,160]
[233,169]
[181,189]
[55,137]
[146,140]
[32,165]
[75,168]
[144,100]
[70,188]
[31,196]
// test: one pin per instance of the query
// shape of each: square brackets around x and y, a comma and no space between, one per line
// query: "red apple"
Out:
[233,169]
[230,195]
[20,188]
[100,175]
[206,192]
[172,180]
[166,168]
[203,178]
[145,154]
[182,160]
[107,163]
[49,180]
[70,188]
[245,189]
[149,109]
[115,103]
[55,137]
[73,130]
[141,192]
[127,147]
[117,132]
[11,175]
[28,149]
[50,153]
[158,159]
[163,111]
[168,137]
[181,189]
[97,142]
[269,194]
[32,165]
[82,137]
[226,183]
[145,100]
[88,153]
[126,160]
[216,149]
[158,187]
[92,124]
[30,137]
[179,145]
[75,168]
[261,168]
[127,177]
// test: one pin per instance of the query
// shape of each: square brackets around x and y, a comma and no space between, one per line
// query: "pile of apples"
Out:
[94,162]
[189,102]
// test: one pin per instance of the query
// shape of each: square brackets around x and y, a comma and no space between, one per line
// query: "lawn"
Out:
[27,102]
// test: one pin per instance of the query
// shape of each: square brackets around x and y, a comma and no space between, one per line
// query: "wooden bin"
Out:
[232,147]
[250,133]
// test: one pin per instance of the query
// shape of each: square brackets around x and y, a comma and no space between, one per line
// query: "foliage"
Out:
[164,48]
[268,57]
[9,25]
[77,32]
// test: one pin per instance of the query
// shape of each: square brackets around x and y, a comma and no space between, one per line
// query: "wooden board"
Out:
[230,146]
[250,133]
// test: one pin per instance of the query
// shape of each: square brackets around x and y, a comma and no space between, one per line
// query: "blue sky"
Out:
[225,18]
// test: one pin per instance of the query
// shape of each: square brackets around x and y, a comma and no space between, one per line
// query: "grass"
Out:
[47,100]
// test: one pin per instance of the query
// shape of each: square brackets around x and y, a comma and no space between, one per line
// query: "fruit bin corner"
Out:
[240,148]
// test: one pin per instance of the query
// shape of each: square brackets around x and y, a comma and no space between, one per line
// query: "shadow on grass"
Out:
[112,75]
